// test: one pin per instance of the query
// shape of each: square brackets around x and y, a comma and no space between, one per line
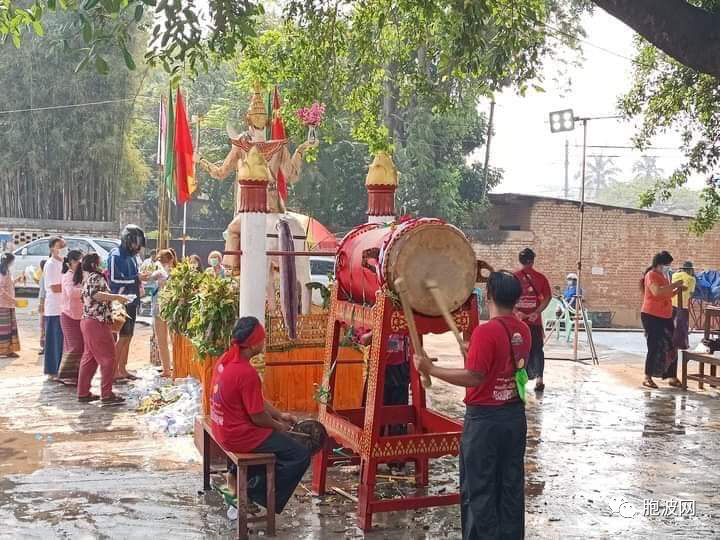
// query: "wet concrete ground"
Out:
[596,440]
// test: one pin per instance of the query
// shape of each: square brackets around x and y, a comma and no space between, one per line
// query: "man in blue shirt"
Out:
[571,291]
[124,277]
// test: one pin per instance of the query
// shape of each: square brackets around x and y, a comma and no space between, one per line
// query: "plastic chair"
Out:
[584,322]
[553,315]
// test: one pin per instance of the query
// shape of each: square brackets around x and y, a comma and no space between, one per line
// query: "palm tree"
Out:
[601,171]
[647,167]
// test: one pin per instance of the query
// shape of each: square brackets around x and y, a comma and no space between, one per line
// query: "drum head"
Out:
[309,433]
[437,252]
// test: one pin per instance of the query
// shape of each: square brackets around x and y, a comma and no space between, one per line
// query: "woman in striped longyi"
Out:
[9,340]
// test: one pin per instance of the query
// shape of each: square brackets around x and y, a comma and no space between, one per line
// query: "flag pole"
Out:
[184,241]
[184,229]
[162,198]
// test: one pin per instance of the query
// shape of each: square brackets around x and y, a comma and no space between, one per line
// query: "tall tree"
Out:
[65,151]
[647,167]
[667,95]
[683,201]
[601,171]
[689,32]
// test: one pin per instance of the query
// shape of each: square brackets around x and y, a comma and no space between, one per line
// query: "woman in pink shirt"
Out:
[71,311]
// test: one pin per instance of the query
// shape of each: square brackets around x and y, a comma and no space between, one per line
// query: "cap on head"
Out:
[572,275]
[688,265]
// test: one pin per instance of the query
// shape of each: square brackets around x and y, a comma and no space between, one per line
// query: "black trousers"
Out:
[536,361]
[661,358]
[292,460]
[492,472]
[397,392]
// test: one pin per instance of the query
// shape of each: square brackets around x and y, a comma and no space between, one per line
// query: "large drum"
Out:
[417,250]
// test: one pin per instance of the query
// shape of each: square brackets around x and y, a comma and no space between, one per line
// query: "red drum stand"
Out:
[430,434]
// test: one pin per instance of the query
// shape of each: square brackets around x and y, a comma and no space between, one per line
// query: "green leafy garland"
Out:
[177,295]
[201,307]
[212,316]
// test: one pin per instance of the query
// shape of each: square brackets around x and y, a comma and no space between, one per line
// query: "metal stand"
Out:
[580,309]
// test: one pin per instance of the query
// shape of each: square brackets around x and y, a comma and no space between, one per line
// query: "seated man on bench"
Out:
[243,422]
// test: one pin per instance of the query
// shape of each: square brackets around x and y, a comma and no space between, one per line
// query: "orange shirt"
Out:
[660,305]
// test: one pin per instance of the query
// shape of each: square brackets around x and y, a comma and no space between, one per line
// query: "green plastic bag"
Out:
[521,379]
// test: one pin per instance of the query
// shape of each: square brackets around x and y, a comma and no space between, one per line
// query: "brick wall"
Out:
[618,245]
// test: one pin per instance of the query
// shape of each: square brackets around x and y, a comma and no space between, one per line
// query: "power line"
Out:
[71,106]
[586,42]
[627,147]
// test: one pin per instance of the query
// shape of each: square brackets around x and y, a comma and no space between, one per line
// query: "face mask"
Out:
[63,252]
[214,261]
[666,268]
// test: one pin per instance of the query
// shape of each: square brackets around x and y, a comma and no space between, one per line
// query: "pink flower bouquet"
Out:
[312,115]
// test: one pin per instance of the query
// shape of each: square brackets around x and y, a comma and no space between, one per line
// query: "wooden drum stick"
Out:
[434,290]
[412,329]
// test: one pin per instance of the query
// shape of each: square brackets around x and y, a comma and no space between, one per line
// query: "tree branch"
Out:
[689,34]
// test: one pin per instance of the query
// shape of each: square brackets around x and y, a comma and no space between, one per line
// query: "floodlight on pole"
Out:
[562,121]
[565,121]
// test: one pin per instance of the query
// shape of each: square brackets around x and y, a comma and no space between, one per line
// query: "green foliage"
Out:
[67,163]
[670,96]
[201,307]
[442,47]
[683,201]
[435,180]
[373,105]
[176,296]
[213,314]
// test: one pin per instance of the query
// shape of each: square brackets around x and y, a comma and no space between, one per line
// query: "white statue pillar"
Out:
[381,183]
[253,179]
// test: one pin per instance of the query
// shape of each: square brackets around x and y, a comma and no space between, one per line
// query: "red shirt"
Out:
[396,350]
[237,394]
[535,289]
[490,355]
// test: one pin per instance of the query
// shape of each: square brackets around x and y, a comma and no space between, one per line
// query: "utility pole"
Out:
[567,167]
[487,146]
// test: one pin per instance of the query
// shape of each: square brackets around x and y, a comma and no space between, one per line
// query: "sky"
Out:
[533,158]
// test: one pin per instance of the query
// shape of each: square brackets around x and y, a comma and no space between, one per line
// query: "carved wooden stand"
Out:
[430,434]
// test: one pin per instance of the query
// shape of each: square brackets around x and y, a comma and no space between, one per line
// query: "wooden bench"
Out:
[242,461]
[700,377]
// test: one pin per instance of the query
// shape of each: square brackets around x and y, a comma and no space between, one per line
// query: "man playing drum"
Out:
[492,448]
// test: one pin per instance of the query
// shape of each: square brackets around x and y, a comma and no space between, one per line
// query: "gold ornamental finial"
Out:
[254,168]
[382,171]
[257,114]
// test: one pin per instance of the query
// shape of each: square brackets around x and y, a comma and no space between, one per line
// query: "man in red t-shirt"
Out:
[536,295]
[243,422]
[492,449]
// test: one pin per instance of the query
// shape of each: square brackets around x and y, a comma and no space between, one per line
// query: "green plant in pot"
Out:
[177,295]
[212,315]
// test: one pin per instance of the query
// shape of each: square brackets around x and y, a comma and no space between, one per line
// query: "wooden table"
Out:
[700,377]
